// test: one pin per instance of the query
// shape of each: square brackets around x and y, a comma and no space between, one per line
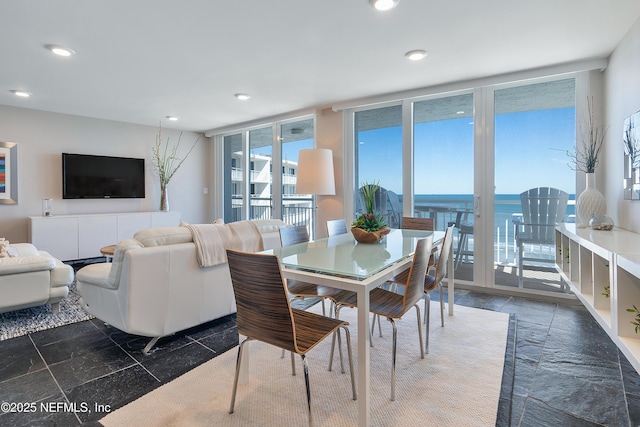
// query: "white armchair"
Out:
[32,278]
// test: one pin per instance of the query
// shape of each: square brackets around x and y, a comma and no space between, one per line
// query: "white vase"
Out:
[590,202]
[164,198]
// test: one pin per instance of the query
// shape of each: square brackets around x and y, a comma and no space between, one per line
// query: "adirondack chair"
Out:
[542,209]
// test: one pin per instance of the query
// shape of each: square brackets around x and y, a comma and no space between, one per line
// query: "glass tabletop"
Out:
[342,255]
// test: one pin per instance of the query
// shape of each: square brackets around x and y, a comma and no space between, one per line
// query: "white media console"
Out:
[70,237]
[603,270]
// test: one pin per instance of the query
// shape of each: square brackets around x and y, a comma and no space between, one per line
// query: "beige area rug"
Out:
[457,384]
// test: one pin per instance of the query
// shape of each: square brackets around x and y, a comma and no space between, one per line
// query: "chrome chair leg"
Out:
[393,359]
[235,381]
[353,379]
[373,327]
[420,332]
[441,304]
[340,351]
[306,382]
[427,316]
[333,343]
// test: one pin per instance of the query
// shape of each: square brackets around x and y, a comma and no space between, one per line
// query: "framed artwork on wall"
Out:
[8,173]
[631,141]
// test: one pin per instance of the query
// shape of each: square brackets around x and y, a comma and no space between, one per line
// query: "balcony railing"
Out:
[295,210]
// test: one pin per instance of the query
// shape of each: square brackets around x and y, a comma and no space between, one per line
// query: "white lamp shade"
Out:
[315,172]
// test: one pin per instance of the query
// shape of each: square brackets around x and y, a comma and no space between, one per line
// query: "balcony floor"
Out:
[540,278]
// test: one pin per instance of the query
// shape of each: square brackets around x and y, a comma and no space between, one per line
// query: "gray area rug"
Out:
[28,320]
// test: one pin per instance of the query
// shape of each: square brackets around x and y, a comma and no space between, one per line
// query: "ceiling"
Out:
[140,61]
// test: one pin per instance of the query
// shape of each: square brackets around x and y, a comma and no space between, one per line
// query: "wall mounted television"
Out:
[87,176]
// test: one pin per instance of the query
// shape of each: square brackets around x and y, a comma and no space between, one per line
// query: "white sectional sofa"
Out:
[32,278]
[155,286]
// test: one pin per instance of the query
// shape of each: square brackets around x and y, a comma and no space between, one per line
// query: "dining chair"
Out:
[465,229]
[412,223]
[299,289]
[393,306]
[431,281]
[299,234]
[336,227]
[264,313]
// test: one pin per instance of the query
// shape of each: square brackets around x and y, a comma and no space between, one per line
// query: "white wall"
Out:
[622,98]
[43,136]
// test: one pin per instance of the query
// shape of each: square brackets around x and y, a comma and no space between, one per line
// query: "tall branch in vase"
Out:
[586,157]
[166,163]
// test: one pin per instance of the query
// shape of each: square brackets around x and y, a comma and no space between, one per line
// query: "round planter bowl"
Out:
[362,236]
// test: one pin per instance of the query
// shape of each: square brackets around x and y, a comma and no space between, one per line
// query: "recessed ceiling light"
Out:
[384,4]
[21,93]
[59,50]
[242,96]
[416,55]
[460,112]
[172,118]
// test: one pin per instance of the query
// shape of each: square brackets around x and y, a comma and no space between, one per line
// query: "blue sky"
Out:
[530,152]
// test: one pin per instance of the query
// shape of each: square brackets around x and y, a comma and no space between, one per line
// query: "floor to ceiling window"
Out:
[443,162]
[233,177]
[534,127]
[488,143]
[260,171]
[269,171]
[378,154]
[296,208]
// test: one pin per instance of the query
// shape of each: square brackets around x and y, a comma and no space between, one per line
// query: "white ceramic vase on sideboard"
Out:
[590,202]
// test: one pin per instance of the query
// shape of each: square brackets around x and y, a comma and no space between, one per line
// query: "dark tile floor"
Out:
[565,371]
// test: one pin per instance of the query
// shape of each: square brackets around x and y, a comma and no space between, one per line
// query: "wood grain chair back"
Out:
[293,235]
[414,289]
[411,223]
[336,227]
[263,309]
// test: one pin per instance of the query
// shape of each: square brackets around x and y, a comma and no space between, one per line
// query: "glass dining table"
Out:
[341,262]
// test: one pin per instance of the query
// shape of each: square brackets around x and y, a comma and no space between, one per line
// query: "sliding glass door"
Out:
[443,165]
[534,126]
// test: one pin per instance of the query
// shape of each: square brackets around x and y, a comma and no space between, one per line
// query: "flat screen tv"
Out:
[101,177]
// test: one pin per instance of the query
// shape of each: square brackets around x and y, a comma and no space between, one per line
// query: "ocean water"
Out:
[505,204]
[444,209]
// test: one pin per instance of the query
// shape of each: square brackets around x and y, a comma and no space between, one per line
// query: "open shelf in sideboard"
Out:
[603,270]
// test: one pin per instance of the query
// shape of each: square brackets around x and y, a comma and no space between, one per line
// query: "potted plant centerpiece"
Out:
[369,227]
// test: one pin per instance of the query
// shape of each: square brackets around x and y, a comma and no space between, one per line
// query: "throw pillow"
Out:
[6,251]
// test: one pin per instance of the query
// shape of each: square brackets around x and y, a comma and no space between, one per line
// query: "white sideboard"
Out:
[593,262]
[69,237]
